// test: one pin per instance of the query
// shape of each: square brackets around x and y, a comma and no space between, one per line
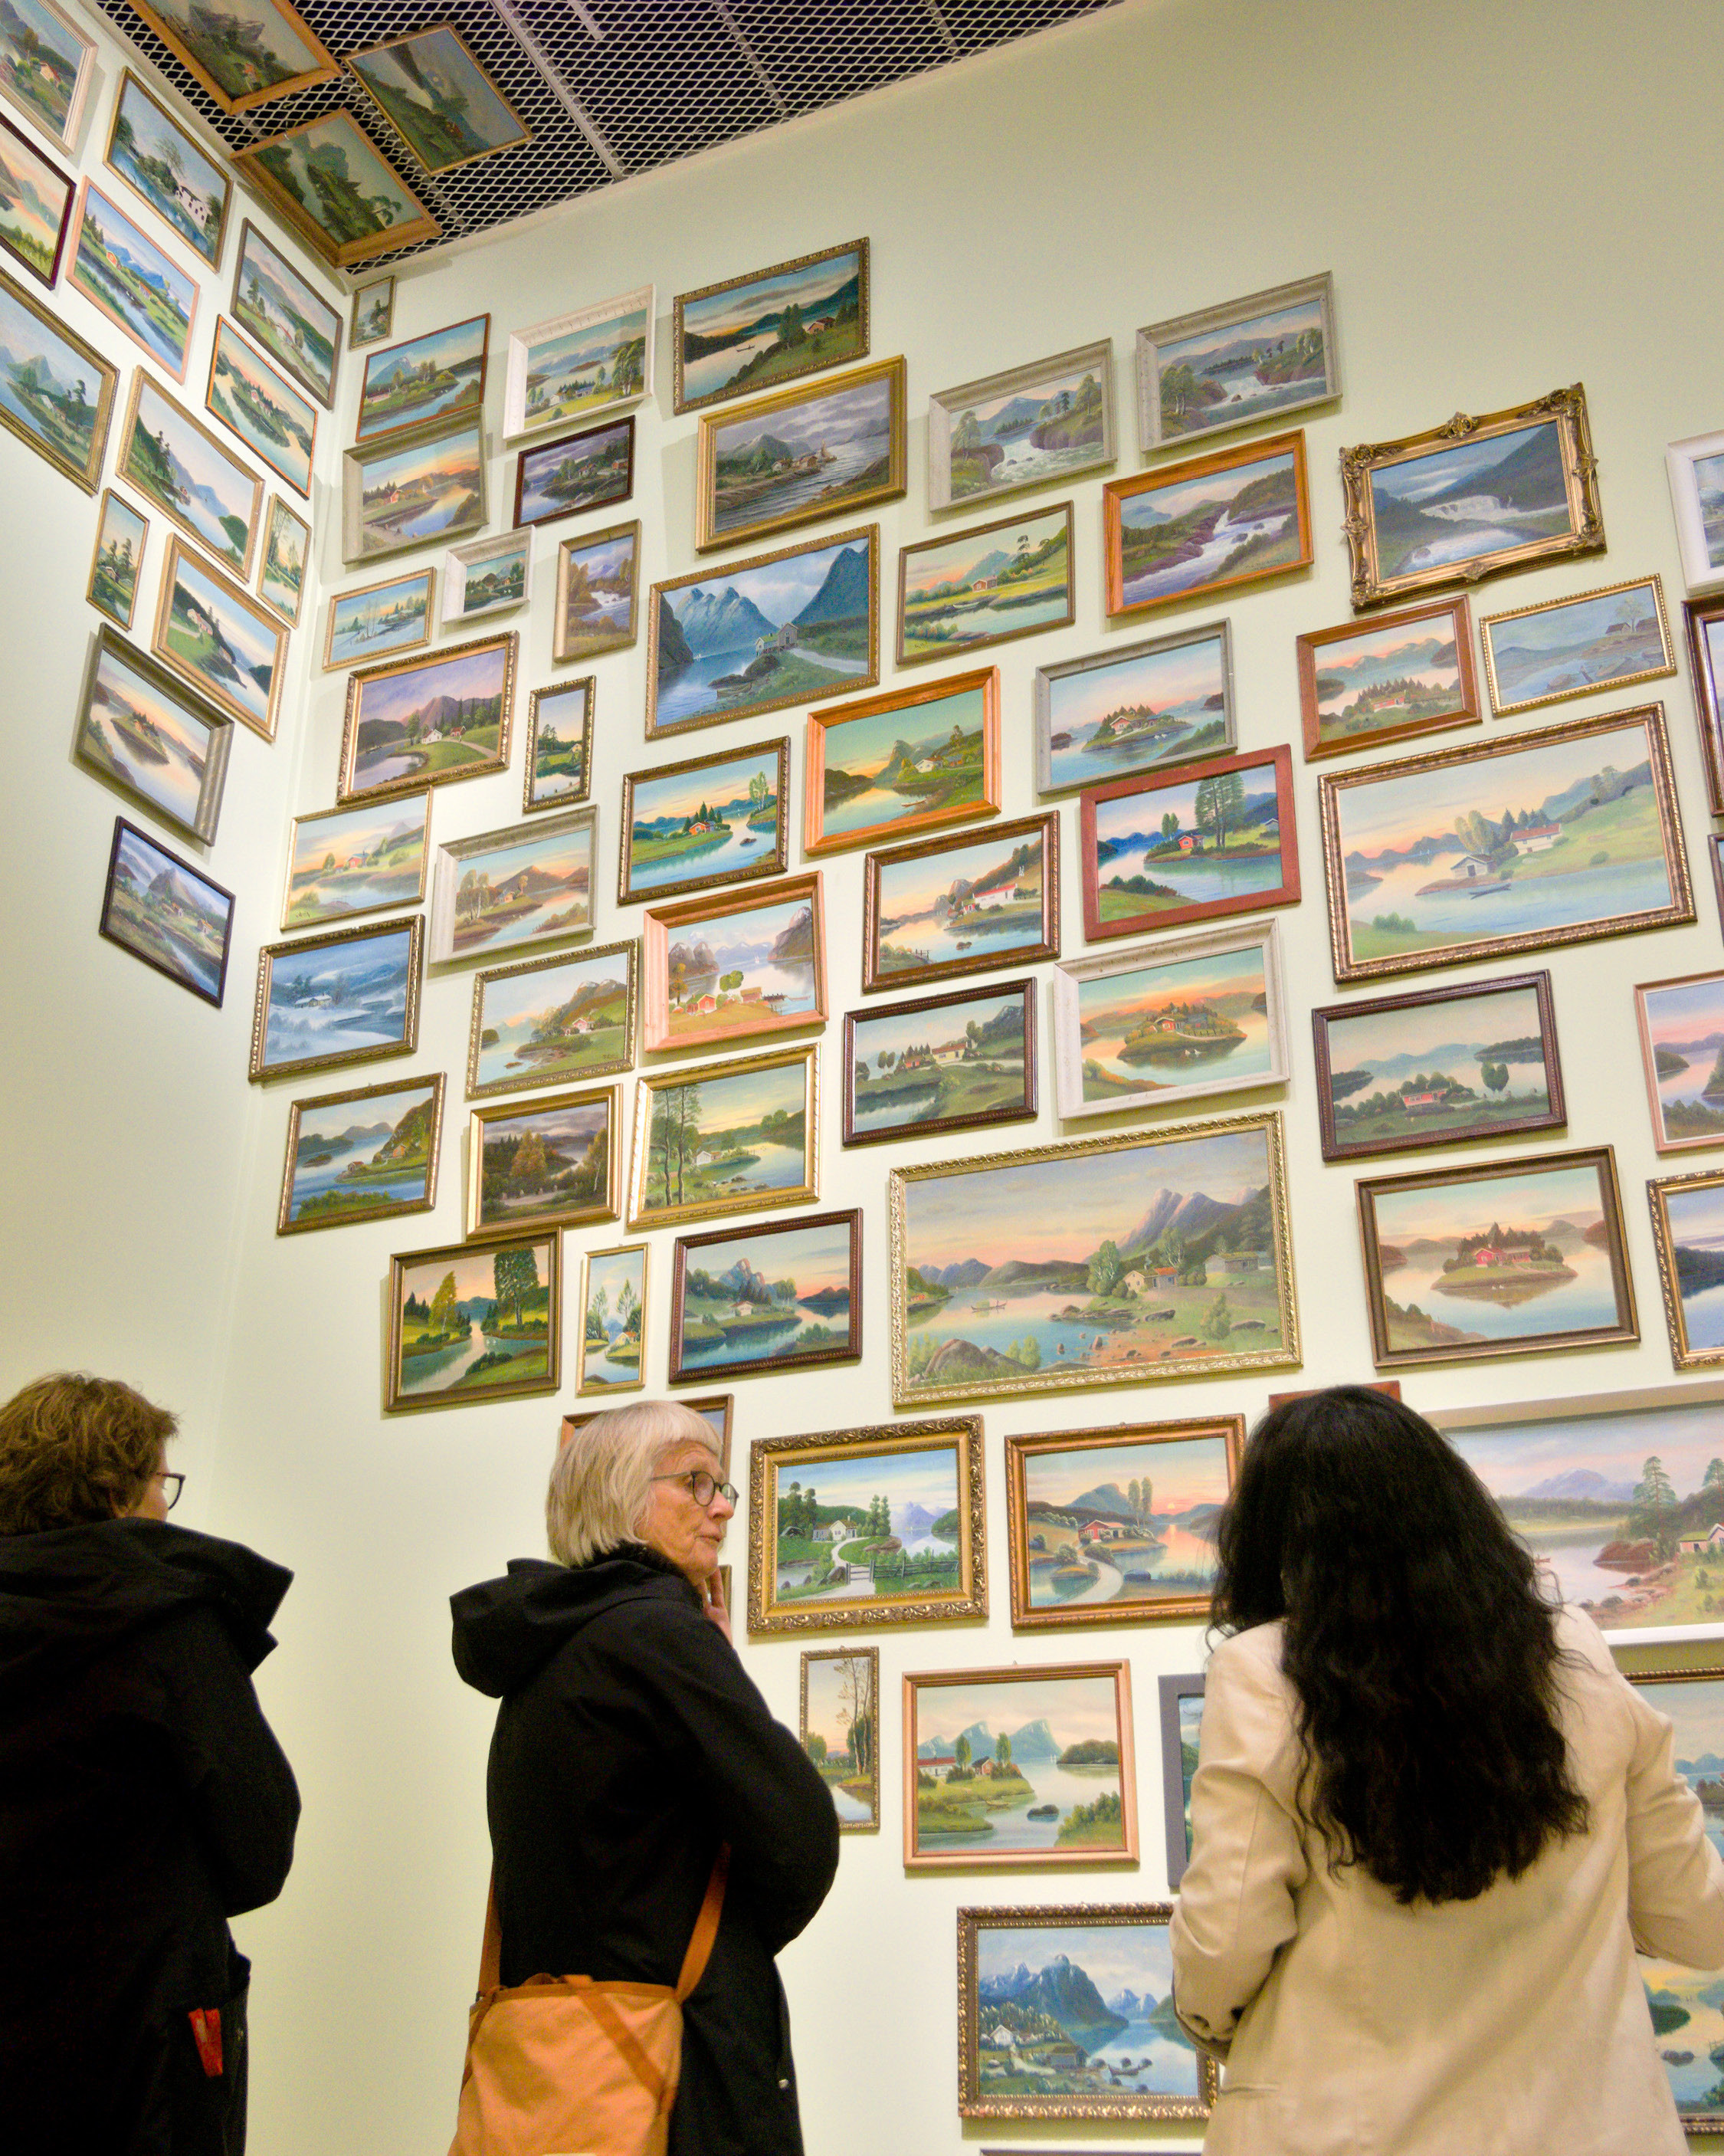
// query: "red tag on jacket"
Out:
[206,2034]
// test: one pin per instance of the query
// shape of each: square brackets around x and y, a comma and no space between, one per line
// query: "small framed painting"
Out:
[167,913]
[908,760]
[1182,1730]
[1266,356]
[138,728]
[398,495]
[770,326]
[119,555]
[1167,702]
[180,468]
[1681,1024]
[1183,1019]
[597,594]
[1706,653]
[1427,510]
[373,312]
[281,561]
[505,890]
[1111,1525]
[1029,427]
[989,585]
[433,91]
[264,50]
[610,1355]
[1688,1228]
[376,212]
[1009,1770]
[350,861]
[292,323]
[365,1155]
[490,576]
[168,168]
[433,376]
[957,1062]
[802,454]
[1215,838]
[756,1301]
[553,1021]
[939,908]
[839,1727]
[36,200]
[771,975]
[417,722]
[1512,1257]
[68,425]
[1397,1074]
[349,996]
[262,407]
[715,1138]
[545,1163]
[851,1530]
[1366,683]
[379,621]
[559,758]
[1695,469]
[1189,531]
[708,822]
[218,637]
[46,68]
[473,1322]
[577,365]
[125,275]
[575,473]
[1600,639]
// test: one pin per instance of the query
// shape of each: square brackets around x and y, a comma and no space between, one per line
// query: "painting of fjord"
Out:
[1025,1766]
[1130,1525]
[900,769]
[1691,1238]
[768,1298]
[1682,1032]
[1386,681]
[752,969]
[977,896]
[1184,848]
[545,1023]
[1548,653]
[358,1156]
[1186,536]
[756,332]
[819,452]
[1449,505]
[861,1525]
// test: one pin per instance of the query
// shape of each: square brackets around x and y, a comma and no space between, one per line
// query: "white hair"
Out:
[602,1478]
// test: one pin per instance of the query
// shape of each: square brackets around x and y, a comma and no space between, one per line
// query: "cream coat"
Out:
[1515,2024]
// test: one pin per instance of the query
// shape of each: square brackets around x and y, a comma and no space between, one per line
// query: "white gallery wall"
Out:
[1509,201]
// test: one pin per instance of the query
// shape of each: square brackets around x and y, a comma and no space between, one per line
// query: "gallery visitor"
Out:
[630,1749]
[143,1800]
[1430,1823]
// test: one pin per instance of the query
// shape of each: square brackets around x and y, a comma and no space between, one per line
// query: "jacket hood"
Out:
[68,1595]
[507,1630]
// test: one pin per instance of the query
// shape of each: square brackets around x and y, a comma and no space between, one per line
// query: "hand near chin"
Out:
[713,1603]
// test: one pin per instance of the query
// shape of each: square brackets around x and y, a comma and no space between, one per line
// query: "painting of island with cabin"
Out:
[840,1731]
[474,1324]
[1177,1024]
[583,363]
[360,1156]
[716,820]
[764,1299]
[1160,703]
[135,730]
[724,1138]
[959,905]
[905,763]
[987,586]
[1168,851]
[553,1020]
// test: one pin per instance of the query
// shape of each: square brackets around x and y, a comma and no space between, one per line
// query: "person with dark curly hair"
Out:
[1431,1823]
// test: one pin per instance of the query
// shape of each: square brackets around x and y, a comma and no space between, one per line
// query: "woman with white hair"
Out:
[630,1746]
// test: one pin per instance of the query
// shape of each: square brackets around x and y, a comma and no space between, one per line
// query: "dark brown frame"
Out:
[70,185]
[1117,491]
[565,441]
[120,828]
[759,1365]
[979,962]
[770,864]
[503,1389]
[1698,614]
[1005,635]
[1468,712]
[938,1126]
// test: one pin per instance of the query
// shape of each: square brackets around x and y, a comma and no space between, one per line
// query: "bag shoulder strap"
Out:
[693,1962]
[491,1950]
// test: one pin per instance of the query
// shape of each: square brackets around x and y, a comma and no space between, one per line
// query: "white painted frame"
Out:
[515,423]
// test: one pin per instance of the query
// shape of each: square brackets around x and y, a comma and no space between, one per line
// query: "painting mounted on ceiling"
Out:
[440,100]
[168,168]
[1028,427]
[56,391]
[246,52]
[752,332]
[1271,353]
[801,456]
[331,183]
[577,365]
[1168,701]
[364,1155]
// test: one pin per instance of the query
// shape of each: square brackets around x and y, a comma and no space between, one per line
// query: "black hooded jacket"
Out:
[630,1744]
[143,1801]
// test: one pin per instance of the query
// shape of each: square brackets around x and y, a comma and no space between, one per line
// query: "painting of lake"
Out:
[325,175]
[840,1730]
[716,820]
[126,275]
[756,967]
[1682,1044]
[1695,1704]
[350,998]
[755,332]
[186,473]
[362,1156]
[724,1138]
[942,1063]
[219,640]
[1162,851]
[801,454]
[1545,654]
[413,495]
[1688,1219]
[152,152]
[147,739]
[1447,507]
[596,586]
[512,888]
[1242,369]
[549,1161]
[1196,528]
[428,377]
[1687,2007]
[1163,703]
[164,912]
[552,1020]
[1384,680]
[35,197]
[442,717]
[285,315]
[963,904]
[766,1299]
[577,472]
[379,619]
[884,769]
[1174,1026]
[613,1320]
[984,587]
[472,1324]
[270,416]
[55,391]
[866,1525]
[559,369]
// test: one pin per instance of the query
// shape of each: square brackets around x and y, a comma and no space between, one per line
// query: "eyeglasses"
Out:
[172,1486]
[703,1487]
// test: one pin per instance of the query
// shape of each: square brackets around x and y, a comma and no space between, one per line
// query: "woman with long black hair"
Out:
[1430,1824]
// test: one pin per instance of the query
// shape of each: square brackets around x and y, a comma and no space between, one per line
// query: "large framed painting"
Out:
[939,908]
[348,996]
[1166,702]
[907,760]
[487,577]
[168,168]
[293,323]
[1014,1769]
[349,861]
[328,179]
[373,317]
[125,275]
[712,1139]
[789,628]
[1018,1972]
[473,1324]
[1695,470]
[367,1154]
[1266,356]
[429,487]
[558,764]
[598,593]
[1600,639]
[962,1061]
[706,823]
[1705,651]
[1688,1228]
[577,365]
[36,199]
[417,722]
[248,53]
[1472,498]
[1110,1525]
[1214,839]
[433,91]
[1552,836]
[1366,683]
[1218,523]
[1477,1059]
[220,639]
[758,1302]
[1009,1270]
[180,468]
[838,1724]
[735,964]
[554,1021]
[163,910]
[770,326]
[546,1163]
[138,728]
[990,584]
[575,473]
[1681,1025]
[433,377]
[119,537]
[56,391]
[1511,1257]
[281,561]
[1182,1019]
[801,454]
[509,889]
[851,1530]
[380,620]
[46,68]
[610,1349]
[1030,426]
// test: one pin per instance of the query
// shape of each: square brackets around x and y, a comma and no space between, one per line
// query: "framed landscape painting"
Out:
[247,54]
[1011,1769]
[1681,1024]
[799,455]
[735,964]
[1009,1270]
[789,627]
[36,199]
[770,326]
[956,1062]
[1689,2023]
[1512,1257]
[119,555]
[1181,1699]
[1706,653]
[45,67]
[488,577]
[281,561]
[138,726]
[715,1138]
[56,391]
[376,621]
[291,322]
[125,275]
[417,722]
[400,496]
[1472,498]
[503,891]
[1110,1525]
[1024,1972]
[1270,353]
[180,468]
[1688,1227]
[218,637]
[553,1021]
[551,1163]
[1182,1019]
[1551,836]
[1601,639]
[365,1155]
[1400,1073]
[752,1302]
[559,746]
[989,585]
[168,168]
[851,1530]
[428,377]
[1366,683]
[838,1724]
[167,913]
[1027,427]
[1167,702]
[1217,838]
[348,996]
[577,365]
[941,907]
[1695,471]
[270,416]
[329,182]
[1189,531]
[908,760]
[708,822]
[715,1409]
[610,1354]
[575,473]
[373,312]
[349,861]
[433,91]
[598,593]
[473,1322]
[1692,1697]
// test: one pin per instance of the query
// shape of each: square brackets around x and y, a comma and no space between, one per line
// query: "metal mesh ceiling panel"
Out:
[614,87]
